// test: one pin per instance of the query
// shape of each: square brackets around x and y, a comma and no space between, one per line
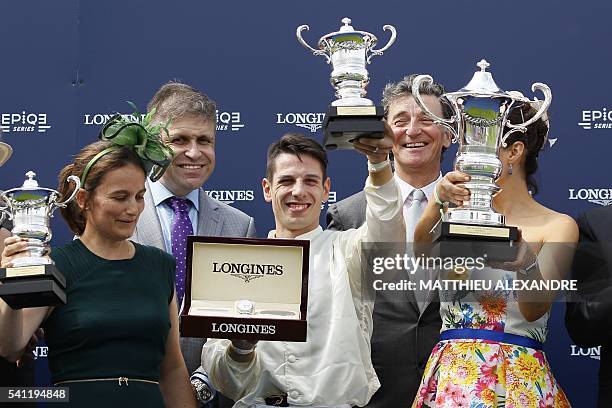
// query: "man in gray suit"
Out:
[191,134]
[406,324]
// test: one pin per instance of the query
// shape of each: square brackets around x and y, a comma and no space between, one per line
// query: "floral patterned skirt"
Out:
[475,373]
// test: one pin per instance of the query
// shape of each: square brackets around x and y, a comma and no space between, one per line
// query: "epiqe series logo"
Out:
[231,196]
[225,120]
[247,272]
[229,121]
[592,352]
[601,196]
[309,120]
[24,122]
[596,119]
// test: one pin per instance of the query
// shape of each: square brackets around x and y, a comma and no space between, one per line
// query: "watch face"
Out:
[245,306]
[202,391]
[205,395]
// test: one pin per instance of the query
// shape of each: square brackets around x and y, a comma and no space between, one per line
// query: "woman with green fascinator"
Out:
[116,341]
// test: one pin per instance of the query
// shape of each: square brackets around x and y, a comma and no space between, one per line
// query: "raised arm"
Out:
[384,220]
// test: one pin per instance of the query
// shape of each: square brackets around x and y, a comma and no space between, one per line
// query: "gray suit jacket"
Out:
[403,337]
[215,219]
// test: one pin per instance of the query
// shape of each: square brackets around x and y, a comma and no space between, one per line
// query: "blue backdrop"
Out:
[66,64]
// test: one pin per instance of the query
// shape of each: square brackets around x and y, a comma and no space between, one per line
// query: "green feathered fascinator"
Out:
[144,138]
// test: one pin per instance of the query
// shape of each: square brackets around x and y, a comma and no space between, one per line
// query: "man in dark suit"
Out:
[406,324]
[191,134]
[589,318]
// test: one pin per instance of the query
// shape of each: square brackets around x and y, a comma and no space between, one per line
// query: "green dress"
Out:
[115,324]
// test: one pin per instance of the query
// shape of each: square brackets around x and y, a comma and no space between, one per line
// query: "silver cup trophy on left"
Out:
[33,280]
[352,115]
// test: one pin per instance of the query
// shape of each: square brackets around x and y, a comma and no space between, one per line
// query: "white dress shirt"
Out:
[334,366]
[423,297]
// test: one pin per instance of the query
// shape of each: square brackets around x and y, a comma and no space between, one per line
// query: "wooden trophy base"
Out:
[32,286]
[345,124]
[451,239]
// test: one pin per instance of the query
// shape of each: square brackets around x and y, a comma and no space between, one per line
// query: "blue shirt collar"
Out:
[160,193]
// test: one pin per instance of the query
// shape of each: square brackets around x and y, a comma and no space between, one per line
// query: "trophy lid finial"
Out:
[30,182]
[347,27]
[483,65]
[482,82]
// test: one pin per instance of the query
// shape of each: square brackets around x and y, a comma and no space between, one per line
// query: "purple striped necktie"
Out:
[181,227]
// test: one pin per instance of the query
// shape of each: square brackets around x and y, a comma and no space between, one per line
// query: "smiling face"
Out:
[296,192]
[113,208]
[193,141]
[418,142]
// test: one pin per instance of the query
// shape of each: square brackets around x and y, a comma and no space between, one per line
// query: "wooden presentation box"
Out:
[225,274]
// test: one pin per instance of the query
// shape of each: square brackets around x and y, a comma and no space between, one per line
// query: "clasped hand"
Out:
[377,150]
[450,188]
[16,247]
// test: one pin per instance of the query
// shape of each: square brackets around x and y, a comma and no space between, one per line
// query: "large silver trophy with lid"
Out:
[481,112]
[33,280]
[352,115]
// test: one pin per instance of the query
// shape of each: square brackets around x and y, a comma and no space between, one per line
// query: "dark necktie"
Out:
[181,227]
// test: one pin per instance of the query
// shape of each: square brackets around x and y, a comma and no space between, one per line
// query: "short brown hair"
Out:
[296,144]
[114,159]
[176,100]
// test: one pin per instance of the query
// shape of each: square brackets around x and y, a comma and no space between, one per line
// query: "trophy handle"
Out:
[522,127]
[438,120]
[5,210]
[298,34]
[63,204]
[386,47]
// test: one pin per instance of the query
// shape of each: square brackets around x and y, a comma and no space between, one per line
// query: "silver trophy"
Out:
[352,115]
[33,280]
[481,110]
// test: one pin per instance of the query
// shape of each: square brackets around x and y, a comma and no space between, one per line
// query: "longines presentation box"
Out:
[246,288]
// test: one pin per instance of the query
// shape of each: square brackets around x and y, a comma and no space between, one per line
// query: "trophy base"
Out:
[32,286]
[345,124]
[495,242]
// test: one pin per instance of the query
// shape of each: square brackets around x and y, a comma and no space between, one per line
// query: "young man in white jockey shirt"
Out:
[333,367]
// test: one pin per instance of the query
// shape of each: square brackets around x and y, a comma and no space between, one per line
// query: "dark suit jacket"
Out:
[402,338]
[589,318]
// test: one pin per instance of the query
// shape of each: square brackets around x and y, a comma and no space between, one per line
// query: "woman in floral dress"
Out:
[490,350]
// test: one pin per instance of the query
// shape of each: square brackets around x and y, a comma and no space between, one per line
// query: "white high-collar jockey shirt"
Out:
[334,366]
